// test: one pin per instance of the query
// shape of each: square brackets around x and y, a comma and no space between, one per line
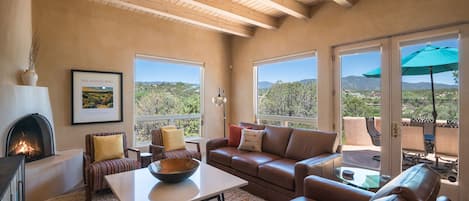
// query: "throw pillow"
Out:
[173,139]
[235,135]
[108,147]
[251,140]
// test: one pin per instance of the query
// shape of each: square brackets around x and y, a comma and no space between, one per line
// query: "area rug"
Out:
[231,195]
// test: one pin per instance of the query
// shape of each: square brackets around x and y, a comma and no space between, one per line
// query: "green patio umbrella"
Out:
[429,60]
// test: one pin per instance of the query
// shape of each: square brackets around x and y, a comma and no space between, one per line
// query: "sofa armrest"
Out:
[86,164]
[321,189]
[157,152]
[196,144]
[137,152]
[322,165]
[215,144]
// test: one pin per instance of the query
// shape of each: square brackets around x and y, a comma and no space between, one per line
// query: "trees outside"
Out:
[166,98]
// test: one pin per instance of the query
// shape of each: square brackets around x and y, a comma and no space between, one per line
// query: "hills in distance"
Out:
[360,83]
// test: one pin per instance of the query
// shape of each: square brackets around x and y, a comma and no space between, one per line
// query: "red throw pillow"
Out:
[235,135]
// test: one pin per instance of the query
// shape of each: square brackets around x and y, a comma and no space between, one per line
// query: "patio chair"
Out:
[447,146]
[375,135]
[413,143]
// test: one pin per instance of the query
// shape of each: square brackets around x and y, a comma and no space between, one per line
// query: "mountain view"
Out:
[360,83]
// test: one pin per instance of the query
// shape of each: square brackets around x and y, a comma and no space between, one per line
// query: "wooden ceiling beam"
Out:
[345,3]
[238,12]
[290,7]
[173,11]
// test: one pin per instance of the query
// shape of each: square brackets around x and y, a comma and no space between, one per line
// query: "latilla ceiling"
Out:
[237,17]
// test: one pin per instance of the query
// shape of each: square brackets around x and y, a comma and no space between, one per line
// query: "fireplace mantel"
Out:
[18,101]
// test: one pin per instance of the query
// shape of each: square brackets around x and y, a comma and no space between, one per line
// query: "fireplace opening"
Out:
[31,136]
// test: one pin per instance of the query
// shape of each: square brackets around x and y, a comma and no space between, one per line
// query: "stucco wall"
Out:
[15,39]
[82,34]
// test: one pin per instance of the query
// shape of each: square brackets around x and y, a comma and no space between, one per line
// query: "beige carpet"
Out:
[231,195]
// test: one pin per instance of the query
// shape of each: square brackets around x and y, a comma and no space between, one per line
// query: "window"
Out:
[167,92]
[286,91]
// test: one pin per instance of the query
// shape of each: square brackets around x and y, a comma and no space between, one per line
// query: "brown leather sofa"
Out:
[418,183]
[288,156]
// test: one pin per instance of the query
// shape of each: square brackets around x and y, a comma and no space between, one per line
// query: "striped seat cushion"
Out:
[100,169]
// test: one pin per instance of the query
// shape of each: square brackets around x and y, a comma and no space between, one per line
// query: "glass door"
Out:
[361,105]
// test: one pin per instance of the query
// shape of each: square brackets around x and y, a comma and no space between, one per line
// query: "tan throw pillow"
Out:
[108,147]
[251,140]
[173,139]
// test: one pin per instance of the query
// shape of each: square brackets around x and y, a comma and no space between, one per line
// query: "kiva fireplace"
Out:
[31,136]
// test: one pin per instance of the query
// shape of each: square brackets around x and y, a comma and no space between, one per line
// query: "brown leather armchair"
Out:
[418,183]
[94,172]
[158,152]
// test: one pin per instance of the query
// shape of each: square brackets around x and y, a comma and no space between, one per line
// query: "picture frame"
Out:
[96,97]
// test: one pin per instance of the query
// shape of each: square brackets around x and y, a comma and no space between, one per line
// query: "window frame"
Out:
[195,64]
[257,65]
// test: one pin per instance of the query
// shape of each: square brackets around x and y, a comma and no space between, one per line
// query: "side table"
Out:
[145,159]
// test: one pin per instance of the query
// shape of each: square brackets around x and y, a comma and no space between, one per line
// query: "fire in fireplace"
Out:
[32,137]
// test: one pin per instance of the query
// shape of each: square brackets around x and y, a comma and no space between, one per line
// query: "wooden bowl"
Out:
[173,170]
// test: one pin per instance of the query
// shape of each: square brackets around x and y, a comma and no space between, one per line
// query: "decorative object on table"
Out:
[347,174]
[173,170]
[29,76]
[96,97]
[220,100]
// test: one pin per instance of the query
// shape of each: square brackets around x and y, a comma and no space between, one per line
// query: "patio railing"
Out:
[144,125]
[297,122]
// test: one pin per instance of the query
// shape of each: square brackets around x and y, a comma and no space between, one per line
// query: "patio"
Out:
[358,150]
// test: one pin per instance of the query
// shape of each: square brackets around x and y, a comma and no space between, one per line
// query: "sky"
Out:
[288,71]
[154,70]
[358,64]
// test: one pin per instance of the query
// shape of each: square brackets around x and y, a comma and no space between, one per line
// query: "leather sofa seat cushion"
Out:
[305,144]
[249,162]
[223,155]
[275,139]
[280,172]
[252,126]
[416,183]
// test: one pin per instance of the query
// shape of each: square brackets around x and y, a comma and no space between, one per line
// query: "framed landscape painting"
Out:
[96,97]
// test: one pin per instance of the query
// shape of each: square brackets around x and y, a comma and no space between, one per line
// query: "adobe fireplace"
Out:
[31,136]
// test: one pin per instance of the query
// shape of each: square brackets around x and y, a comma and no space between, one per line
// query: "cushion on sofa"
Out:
[305,144]
[251,140]
[235,135]
[223,155]
[252,125]
[275,139]
[248,162]
[280,172]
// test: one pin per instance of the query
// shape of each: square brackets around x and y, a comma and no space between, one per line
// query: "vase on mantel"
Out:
[29,77]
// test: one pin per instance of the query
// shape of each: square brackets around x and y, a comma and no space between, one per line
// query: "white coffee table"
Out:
[140,185]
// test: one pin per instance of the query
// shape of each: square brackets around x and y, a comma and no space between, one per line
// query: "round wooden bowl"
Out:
[173,170]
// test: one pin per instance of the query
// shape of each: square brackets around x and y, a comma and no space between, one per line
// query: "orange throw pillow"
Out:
[235,135]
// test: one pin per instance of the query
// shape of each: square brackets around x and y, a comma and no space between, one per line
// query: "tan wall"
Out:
[81,34]
[331,25]
[15,39]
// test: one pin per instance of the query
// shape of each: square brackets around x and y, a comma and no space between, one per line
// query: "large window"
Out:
[286,91]
[167,92]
